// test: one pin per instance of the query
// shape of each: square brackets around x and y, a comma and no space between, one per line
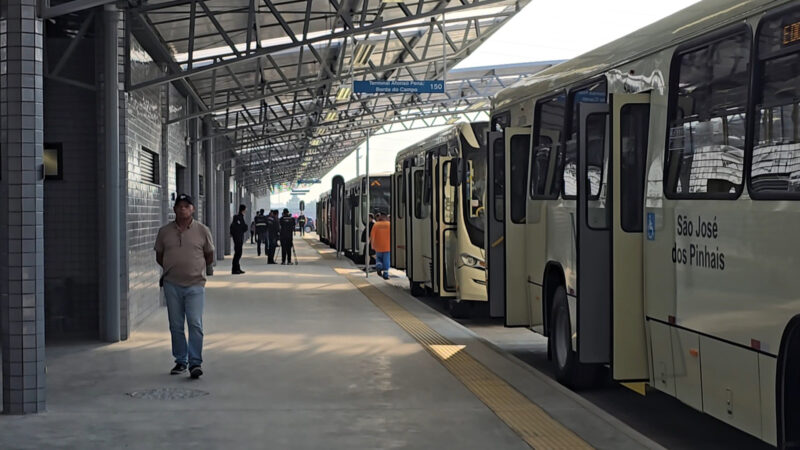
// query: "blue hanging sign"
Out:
[651,226]
[399,87]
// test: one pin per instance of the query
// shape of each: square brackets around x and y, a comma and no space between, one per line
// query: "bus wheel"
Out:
[416,289]
[569,371]
[788,398]
[458,310]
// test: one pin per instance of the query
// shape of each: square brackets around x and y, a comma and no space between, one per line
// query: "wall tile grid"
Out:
[71,203]
[143,214]
[21,192]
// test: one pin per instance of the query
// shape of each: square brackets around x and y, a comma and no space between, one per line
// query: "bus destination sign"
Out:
[791,34]
[399,87]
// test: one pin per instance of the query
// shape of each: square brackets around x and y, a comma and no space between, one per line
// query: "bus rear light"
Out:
[694,352]
[671,320]
[755,344]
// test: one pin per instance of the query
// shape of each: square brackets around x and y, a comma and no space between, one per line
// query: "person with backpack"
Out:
[261,232]
[237,229]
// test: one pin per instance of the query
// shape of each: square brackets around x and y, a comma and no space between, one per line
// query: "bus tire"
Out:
[569,371]
[458,309]
[416,289]
[787,390]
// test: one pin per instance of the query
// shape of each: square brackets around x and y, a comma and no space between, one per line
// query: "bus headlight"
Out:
[471,261]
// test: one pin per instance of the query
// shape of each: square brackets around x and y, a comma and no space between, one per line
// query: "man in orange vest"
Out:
[380,240]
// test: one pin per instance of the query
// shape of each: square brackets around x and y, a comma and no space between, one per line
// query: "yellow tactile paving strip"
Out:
[528,420]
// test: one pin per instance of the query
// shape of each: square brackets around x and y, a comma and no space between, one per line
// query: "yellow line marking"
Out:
[639,388]
[524,417]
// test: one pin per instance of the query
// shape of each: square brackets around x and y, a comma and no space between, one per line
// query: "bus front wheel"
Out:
[569,370]
[416,289]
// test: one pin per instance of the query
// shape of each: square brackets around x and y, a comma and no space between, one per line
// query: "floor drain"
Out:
[167,394]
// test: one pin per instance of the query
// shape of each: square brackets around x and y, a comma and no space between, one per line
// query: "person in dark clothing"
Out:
[238,229]
[301,221]
[261,232]
[287,231]
[252,230]
[273,230]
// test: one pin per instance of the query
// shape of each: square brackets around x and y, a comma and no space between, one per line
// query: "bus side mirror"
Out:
[455,171]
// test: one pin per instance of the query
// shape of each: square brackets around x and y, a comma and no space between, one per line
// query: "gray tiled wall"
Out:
[143,215]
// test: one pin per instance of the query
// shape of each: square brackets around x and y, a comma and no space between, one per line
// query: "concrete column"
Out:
[194,158]
[227,208]
[219,176]
[210,218]
[112,183]
[22,205]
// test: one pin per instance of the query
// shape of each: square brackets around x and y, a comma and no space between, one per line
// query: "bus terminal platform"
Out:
[305,356]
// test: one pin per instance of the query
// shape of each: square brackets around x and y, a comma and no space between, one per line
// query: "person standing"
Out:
[380,240]
[238,229]
[273,230]
[287,231]
[183,250]
[261,232]
[252,230]
[301,221]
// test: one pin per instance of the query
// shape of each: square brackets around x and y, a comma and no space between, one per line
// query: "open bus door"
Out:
[630,118]
[610,313]
[593,241]
[446,240]
[398,217]
[495,241]
[517,150]
[415,268]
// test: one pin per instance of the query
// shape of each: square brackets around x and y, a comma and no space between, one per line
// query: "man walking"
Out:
[380,240]
[287,231]
[301,222]
[183,250]
[261,232]
[238,229]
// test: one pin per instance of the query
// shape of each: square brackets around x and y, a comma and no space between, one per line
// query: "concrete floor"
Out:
[295,357]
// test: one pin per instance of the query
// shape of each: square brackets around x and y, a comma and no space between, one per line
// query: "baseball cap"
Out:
[184,198]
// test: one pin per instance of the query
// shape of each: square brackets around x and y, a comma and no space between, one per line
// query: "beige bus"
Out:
[648,192]
[438,223]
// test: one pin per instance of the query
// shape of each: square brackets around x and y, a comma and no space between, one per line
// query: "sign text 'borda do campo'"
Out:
[399,87]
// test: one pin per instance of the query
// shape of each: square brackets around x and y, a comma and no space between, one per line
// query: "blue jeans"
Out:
[185,303]
[382,263]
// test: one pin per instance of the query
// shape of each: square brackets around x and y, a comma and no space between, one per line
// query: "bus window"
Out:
[401,196]
[364,212]
[520,146]
[448,196]
[705,150]
[380,194]
[548,129]
[775,165]
[420,210]
[474,191]
[596,93]
[634,123]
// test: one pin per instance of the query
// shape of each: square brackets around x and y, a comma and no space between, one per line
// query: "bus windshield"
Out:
[474,192]
[380,192]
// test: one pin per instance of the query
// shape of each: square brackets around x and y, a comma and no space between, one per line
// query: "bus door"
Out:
[494,242]
[517,150]
[593,236]
[398,217]
[417,220]
[446,240]
[630,125]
